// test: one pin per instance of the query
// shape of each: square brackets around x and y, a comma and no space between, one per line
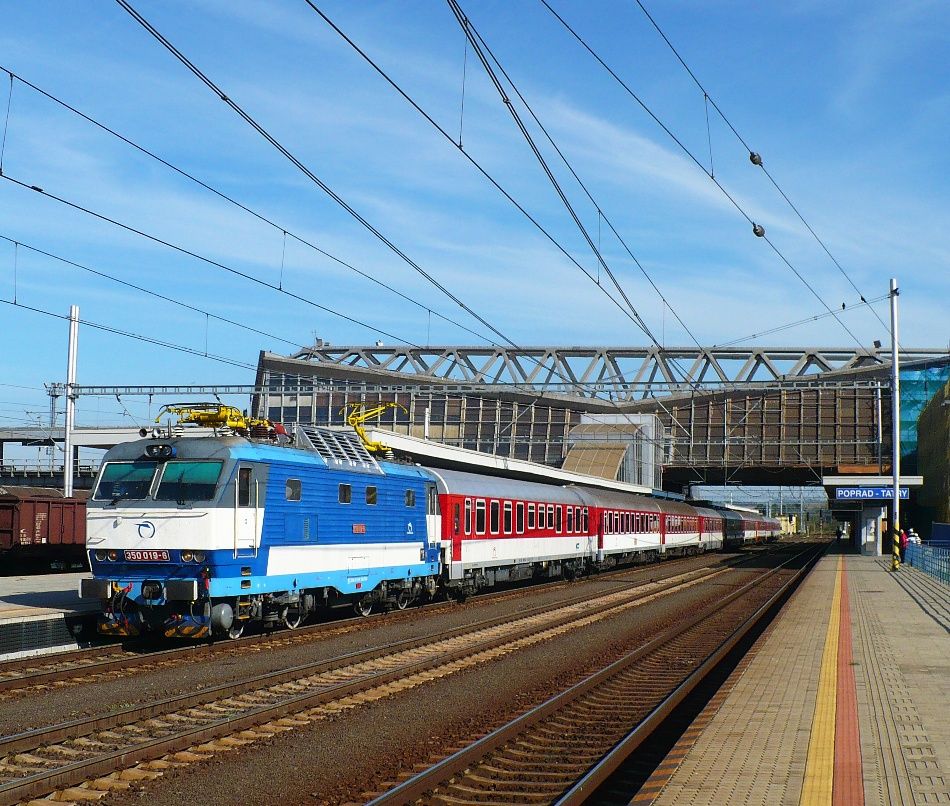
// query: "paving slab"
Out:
[845,700]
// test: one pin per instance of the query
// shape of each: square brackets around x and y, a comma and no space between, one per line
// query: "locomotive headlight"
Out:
[101,555]
[112,554]
[187,556]
[200,556]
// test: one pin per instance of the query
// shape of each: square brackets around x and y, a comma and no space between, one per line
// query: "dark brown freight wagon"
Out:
[41,530]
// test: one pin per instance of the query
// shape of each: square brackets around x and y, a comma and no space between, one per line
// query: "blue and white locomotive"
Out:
[191,535]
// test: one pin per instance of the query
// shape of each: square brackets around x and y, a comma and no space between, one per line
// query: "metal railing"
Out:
[43,469]
[931,560]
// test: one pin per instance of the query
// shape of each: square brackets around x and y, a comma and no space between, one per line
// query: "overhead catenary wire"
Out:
[285,232]
[626,87]
[601,215]
[148,291]
[197,256]
[760,163]
[308,173]
[234,362]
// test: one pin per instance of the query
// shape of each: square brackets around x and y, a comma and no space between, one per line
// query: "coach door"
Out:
[433,538]
[247,511]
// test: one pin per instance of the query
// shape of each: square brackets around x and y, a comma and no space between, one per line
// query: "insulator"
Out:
[758,230]
[755,158]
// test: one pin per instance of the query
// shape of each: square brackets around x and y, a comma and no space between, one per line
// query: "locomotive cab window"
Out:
[121,480]
[292,489]
[372,495]
[410,498]
[345,494]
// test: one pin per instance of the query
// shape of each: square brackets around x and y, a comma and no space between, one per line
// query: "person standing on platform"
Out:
[838,534]
[903,544]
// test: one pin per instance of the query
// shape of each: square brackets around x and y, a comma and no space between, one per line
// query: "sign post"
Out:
[896,433]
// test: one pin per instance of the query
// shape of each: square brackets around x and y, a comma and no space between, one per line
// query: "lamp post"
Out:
[895,432]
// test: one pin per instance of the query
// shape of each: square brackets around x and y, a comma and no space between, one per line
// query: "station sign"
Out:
[869,493]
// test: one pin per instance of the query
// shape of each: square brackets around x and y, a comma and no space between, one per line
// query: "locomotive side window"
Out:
[493,517]
[244,487]
[519,518]
[507,517]
[372,495]
[345,494]
[479,517]
[410,498]
[468,516]
[292,489]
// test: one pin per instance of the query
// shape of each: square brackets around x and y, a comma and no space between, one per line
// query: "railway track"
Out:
[562,750]
[81,666]
[86,758]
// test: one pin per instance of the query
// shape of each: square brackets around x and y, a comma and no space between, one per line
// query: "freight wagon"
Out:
[41,530]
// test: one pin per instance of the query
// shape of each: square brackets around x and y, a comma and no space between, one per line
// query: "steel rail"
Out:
[127,659]
[423,783]
[47,780]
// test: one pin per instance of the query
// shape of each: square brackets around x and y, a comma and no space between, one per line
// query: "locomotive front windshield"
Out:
[122,480]
[188,481]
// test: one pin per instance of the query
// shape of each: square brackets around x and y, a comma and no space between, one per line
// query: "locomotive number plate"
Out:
[146,555]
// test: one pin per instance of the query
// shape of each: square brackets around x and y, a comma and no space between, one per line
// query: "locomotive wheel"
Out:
[402,600]
[236,629]
[293,618]
[363,607]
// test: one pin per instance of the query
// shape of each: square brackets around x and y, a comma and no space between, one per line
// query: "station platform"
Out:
[42,614]
[845,699]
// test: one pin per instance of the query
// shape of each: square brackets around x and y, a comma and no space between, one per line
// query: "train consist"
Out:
[191,535]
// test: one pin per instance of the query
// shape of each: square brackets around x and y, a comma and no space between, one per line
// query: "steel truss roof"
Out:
[626,372]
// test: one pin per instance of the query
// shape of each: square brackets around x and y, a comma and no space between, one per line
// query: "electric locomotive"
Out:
[191,535]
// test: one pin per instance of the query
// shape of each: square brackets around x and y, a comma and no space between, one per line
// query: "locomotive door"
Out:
[247,506]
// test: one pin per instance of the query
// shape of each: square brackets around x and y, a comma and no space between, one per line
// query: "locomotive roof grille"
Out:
[341,449]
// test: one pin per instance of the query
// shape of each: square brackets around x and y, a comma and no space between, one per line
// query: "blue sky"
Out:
[848,103]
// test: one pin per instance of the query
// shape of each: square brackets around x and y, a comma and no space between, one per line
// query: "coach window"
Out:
[345,494]
[372,495]
[244,487]
[468,516]
[507,517]
[456,518]
[570,520]
[410,498]
[586,521]
[479,517]
[292,490]
[519,518]
[551,516]
[493,513]
[541,518]
[560,519]
[530,517]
